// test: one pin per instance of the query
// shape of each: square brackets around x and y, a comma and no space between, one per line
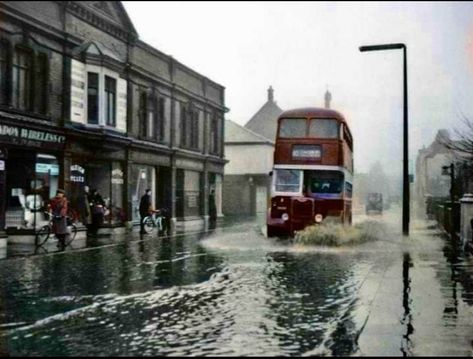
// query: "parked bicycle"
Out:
[158,219]
[45,231]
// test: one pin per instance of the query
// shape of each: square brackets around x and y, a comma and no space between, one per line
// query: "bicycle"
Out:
[152,221]
[44,232]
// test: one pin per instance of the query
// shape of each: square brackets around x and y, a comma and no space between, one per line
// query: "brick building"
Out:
[84,101]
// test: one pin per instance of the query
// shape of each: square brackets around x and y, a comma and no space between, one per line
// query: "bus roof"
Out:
[313,112]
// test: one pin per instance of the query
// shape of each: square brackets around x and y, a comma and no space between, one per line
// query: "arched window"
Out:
[21,79]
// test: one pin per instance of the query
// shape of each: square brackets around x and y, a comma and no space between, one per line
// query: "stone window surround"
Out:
[102,72]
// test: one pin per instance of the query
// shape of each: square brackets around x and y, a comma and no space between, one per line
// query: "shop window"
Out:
[3,72]
[110,100]
[98,177]
[188,193]
[141,178]
[117,212]
[32,180]
[93,98]
[21,79]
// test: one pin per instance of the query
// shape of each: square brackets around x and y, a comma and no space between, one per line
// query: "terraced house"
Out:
[84,101]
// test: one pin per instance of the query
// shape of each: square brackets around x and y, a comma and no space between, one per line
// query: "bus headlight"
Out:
[285,217]
[318,218]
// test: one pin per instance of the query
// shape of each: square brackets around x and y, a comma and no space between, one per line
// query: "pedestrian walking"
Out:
[58,208]
[146,209]
[97,205]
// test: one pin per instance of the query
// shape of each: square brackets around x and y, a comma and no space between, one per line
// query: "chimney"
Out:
[328,98]
[270,94]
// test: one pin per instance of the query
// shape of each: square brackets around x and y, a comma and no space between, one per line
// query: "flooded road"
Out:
[234,292]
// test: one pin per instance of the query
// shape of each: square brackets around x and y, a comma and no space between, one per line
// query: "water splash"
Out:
[336,235]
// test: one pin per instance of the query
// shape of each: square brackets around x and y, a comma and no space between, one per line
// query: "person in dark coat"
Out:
[58,207]
[145,209]
[97,208]
[212,208]
[84,207]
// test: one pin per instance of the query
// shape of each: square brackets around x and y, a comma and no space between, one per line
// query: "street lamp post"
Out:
[405,177]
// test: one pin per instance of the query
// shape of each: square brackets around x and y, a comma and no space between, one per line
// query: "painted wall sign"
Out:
[77,174]
[29,137]
[117,176]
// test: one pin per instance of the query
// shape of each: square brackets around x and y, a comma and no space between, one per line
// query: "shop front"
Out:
[102,169]
[30,174]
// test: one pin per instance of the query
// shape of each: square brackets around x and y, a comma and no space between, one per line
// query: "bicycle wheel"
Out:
[72,235]
[42,235]
[148,224]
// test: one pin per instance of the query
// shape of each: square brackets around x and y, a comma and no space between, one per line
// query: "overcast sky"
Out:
[300,48]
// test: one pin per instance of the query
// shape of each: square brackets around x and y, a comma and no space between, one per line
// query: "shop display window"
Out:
[141,178]
[32,180]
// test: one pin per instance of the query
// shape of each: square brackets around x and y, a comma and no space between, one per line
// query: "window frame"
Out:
[16,90]
[110,101]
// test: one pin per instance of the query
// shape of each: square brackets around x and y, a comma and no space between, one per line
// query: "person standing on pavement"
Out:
[145,209]
[84,208]
[97,205]
[58,207]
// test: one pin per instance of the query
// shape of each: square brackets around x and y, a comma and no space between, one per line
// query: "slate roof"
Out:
[264,122]
[236,134]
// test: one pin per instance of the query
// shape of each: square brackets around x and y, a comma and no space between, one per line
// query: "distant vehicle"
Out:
[374,202]
[312,171]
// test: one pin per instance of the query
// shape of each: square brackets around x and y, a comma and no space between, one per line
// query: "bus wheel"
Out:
[271,231]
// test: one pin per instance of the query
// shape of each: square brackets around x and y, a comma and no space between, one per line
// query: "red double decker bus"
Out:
[312,177]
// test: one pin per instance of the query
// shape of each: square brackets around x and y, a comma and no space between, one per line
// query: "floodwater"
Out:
[234,292]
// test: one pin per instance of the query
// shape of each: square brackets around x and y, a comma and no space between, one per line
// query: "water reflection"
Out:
[313,297]
[406,344]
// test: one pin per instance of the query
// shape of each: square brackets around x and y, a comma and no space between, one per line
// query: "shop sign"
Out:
[117,176]
[192,201]
[77,174]
[27,137]
[50,168]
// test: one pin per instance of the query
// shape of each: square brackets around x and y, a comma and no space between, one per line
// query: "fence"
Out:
[443,215]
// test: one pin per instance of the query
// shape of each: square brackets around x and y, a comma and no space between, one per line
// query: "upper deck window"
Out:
[324,128]
[293,127]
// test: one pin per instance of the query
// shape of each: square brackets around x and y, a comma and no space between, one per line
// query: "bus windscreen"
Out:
[293,127]
[325,182]
[288,180]
[324,128]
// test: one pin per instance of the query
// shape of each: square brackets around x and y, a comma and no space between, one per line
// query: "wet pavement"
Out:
[234,292]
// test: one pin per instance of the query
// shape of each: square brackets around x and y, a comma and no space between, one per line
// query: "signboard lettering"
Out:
[24,136]
[77,174]
[306,151]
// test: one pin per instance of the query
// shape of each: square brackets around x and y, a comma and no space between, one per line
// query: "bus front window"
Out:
[325,182]
[292,127]
[288,181]
[324,128]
